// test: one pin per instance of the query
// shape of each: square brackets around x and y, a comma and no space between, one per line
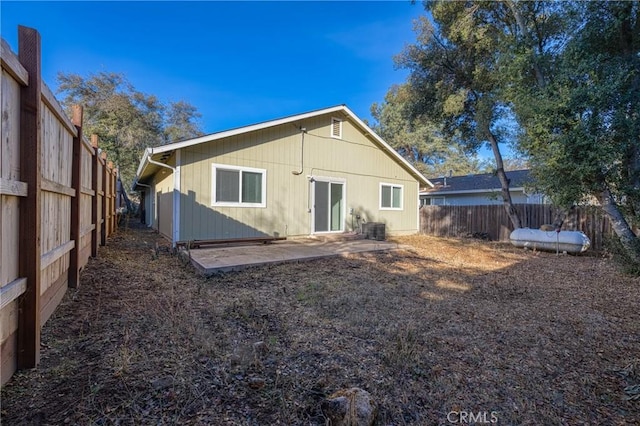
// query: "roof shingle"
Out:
[485,181]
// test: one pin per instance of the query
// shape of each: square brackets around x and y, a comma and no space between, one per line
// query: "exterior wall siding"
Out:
[149,205]
[163,185]
[354,158]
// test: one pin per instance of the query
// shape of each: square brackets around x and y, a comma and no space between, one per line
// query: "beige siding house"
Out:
[319,172]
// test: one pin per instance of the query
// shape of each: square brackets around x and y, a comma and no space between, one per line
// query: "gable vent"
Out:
[336,128]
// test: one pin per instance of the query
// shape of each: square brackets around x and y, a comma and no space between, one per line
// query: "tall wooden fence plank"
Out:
[12,284]
[54,201]
[95,165]
[105,202]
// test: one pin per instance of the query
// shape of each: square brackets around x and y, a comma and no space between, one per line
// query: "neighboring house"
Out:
[480,189]
[319,172]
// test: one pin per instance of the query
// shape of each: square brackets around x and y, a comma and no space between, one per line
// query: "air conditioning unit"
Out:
[374,231]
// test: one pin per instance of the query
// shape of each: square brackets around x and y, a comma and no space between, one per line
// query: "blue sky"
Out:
[238,62]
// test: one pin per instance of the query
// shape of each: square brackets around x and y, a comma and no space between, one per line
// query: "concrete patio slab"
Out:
[234,258]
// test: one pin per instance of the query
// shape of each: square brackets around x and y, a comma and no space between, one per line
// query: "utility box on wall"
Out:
[374,231]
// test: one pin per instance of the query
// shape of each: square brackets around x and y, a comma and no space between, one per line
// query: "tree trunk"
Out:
[504,182]
[628,30]
[529,41]
[560,216]
[633,197]
[633,157]
[628,239]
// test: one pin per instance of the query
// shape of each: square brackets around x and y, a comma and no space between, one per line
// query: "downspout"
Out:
[419,213]
[176,195]
[303,130]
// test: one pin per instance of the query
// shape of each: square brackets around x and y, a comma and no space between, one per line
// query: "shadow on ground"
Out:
[448,325]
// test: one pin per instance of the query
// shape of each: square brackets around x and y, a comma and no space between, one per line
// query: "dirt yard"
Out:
[526,338]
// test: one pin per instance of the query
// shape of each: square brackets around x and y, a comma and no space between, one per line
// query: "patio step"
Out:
[345,236]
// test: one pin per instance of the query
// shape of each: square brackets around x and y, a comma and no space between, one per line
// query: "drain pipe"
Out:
[176,195]
[157,163]
[303,130]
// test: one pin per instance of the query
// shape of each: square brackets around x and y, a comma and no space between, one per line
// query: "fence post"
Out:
[112,199]
[76,183]
[96,193]
[117,201]
[105,185]
[29,53]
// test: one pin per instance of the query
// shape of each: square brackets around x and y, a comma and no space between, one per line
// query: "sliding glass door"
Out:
[328,209]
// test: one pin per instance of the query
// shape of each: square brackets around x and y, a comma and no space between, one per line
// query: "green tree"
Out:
[455,79]
[181,122]
[126,120]
[419,139]
[514,162]
[581,128]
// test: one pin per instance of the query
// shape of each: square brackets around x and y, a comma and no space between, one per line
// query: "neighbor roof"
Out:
[163,152]
[476,183]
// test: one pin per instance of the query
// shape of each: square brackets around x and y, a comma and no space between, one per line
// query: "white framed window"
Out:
[391,195]
[235,186]
[336,128]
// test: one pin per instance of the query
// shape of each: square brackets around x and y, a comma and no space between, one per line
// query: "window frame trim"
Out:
[216,203]
[392,185]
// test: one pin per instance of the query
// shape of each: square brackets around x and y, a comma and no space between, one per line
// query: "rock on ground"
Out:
[350,407]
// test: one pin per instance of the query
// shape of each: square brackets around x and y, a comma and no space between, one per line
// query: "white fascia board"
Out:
[387,147]
[470,191]
[143,163]
[147,158]
[240,130]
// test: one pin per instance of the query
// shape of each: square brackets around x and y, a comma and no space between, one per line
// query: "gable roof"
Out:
[484,182]
[163,152]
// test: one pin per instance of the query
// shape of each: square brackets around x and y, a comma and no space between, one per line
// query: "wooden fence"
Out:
[456,221]
[57,202]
